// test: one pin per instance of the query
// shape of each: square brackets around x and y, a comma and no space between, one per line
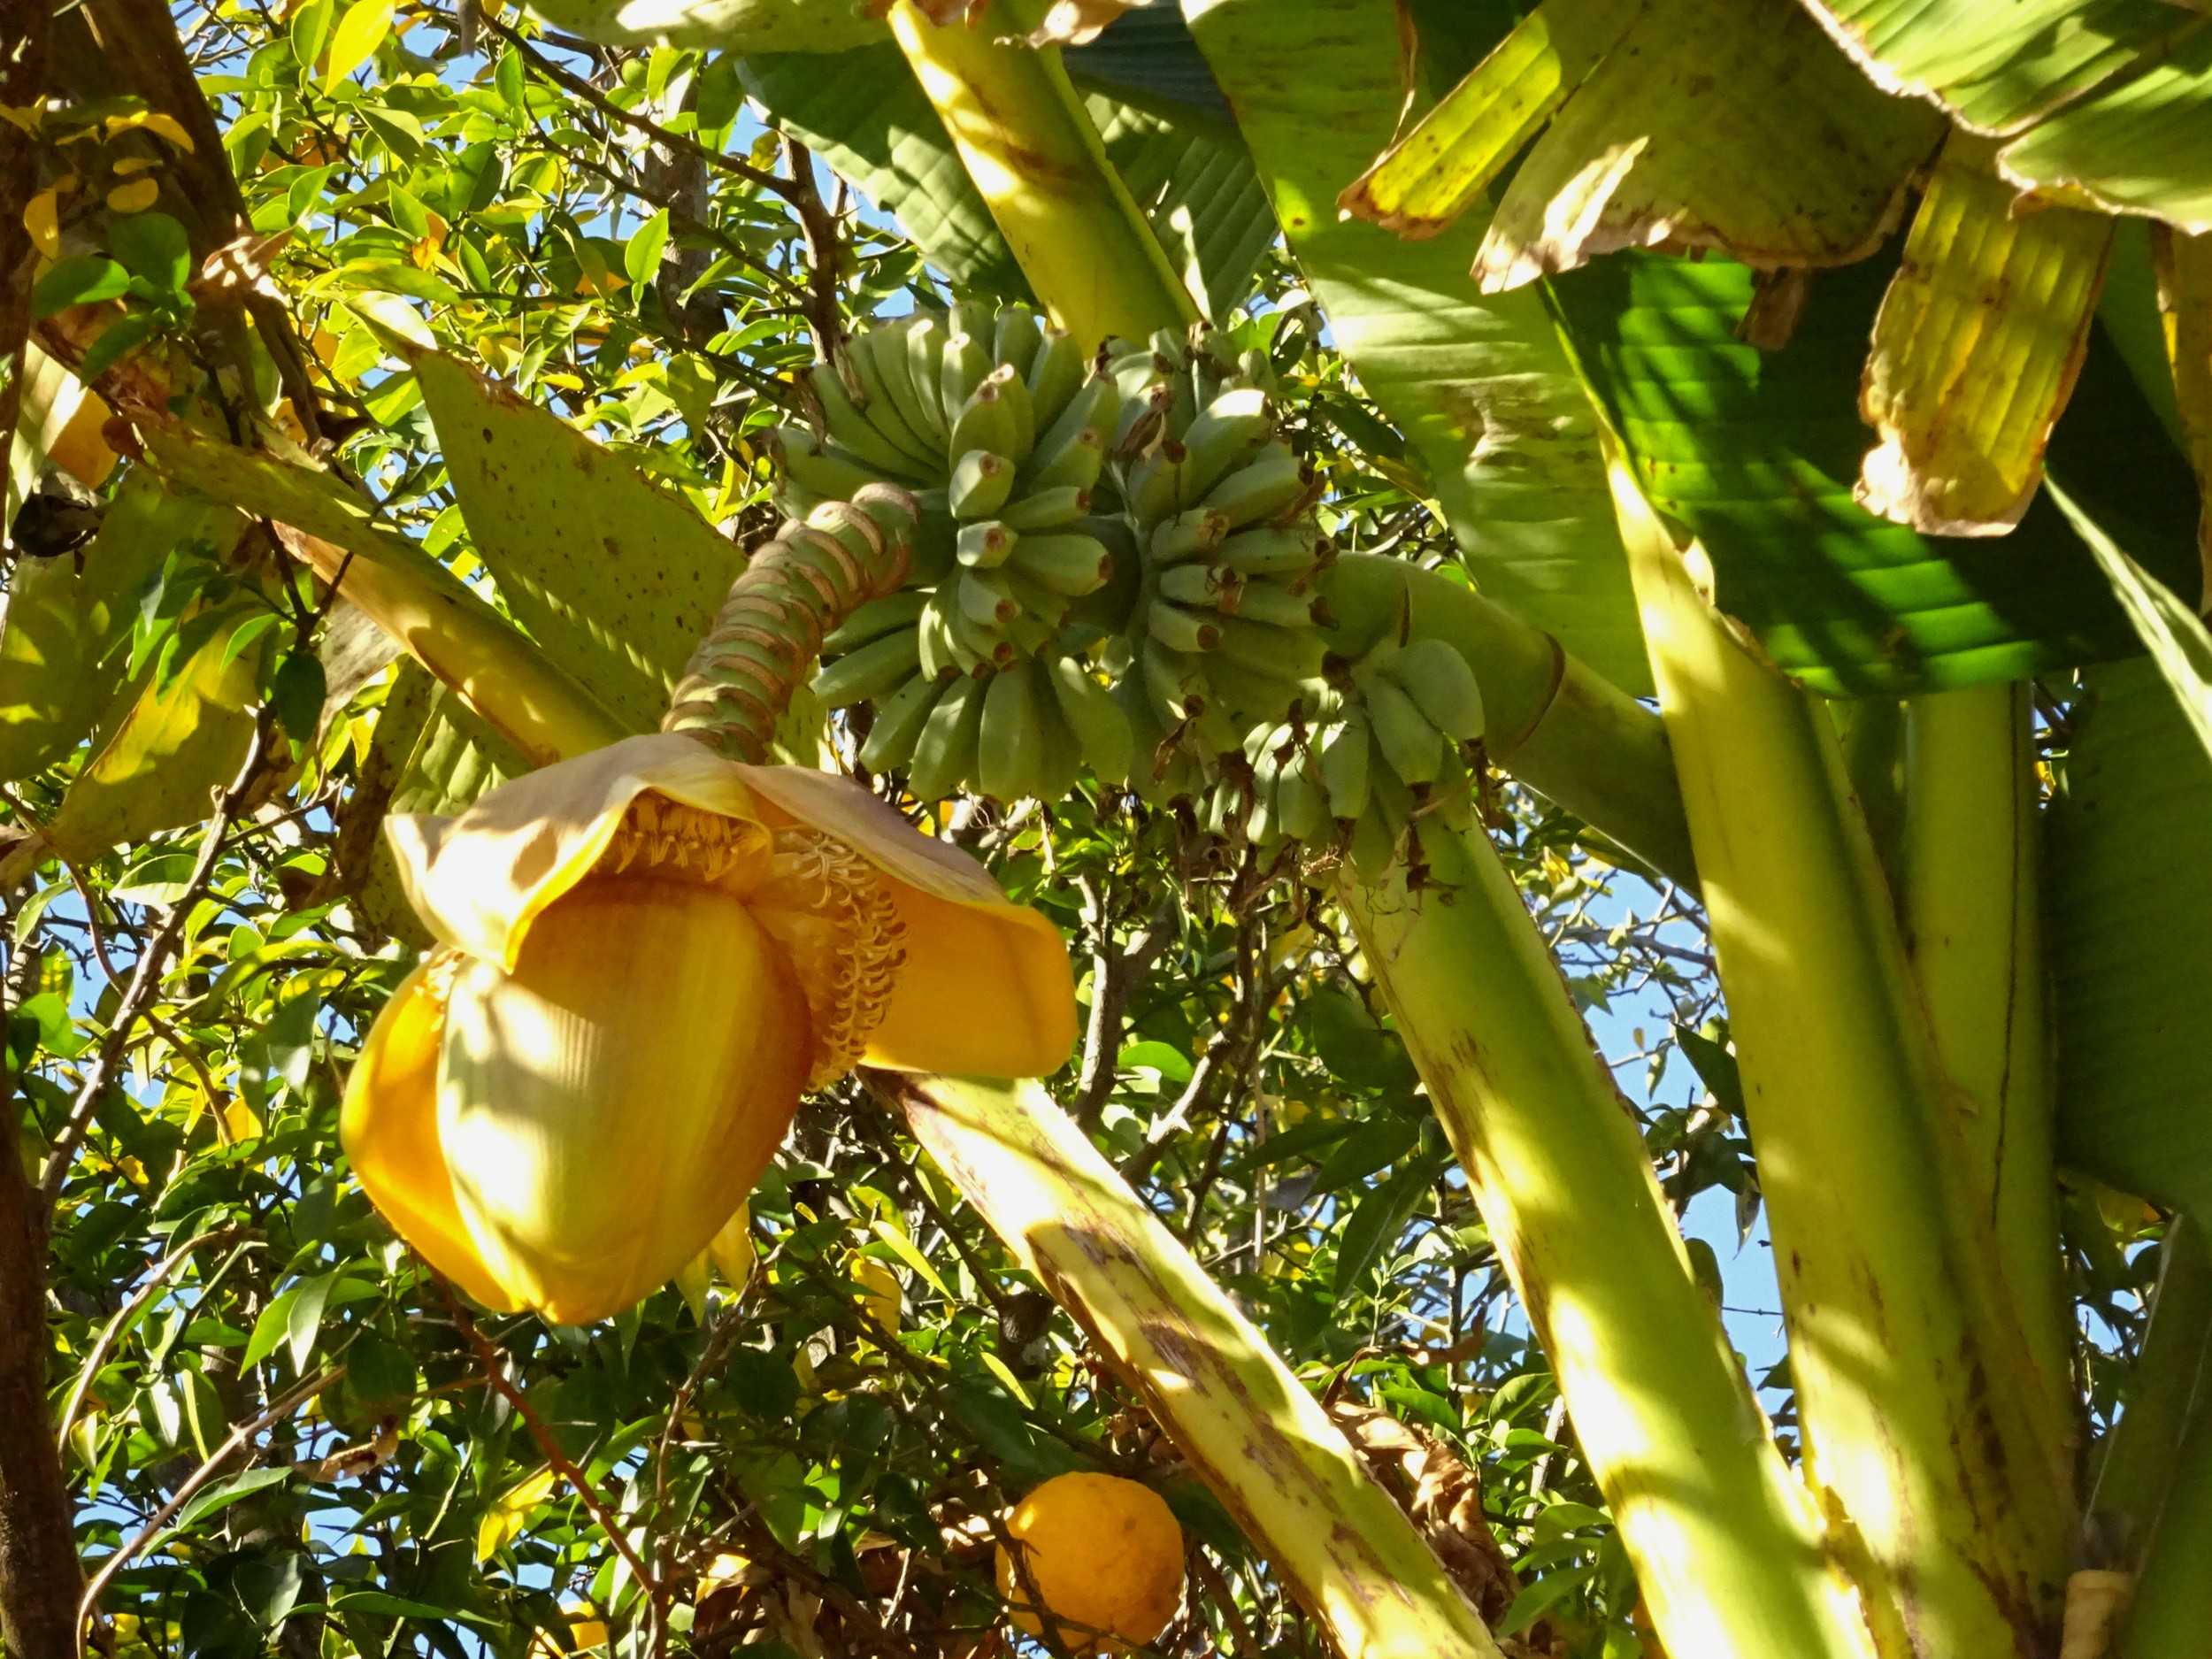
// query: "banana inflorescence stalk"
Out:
[794,592]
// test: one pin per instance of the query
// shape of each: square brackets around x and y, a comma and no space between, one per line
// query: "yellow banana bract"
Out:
[646,953]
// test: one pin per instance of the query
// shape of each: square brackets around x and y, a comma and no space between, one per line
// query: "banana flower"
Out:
[645,954]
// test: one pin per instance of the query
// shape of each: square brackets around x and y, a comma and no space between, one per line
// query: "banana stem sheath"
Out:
[1562,729]
[1922,1419]
[1263,1444]
[1036,159]
[1971,901]
[2161,1465]
[1726,1542]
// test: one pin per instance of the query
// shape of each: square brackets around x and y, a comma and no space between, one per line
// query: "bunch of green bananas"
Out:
[1358,761]
[1002,428]
[1117,569]
[1226,627]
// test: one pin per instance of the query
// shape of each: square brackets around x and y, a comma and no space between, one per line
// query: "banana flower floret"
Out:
[644,956]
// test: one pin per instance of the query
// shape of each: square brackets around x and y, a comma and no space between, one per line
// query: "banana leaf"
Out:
[867,117]
[1756,452]
[2109,100]
[2130,883]
[614,576]
[1478,383]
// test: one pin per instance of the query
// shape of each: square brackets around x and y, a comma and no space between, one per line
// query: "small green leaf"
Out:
[509,80]
[296,695]
[268,1330]
[1370,1145]
[78,281]
[1378,1218]
[642,256]
[242,637]
[1540,1597]
[154,247]
[359,33]
[126,334]
[226,1492]
[305,1322]
[888,1229]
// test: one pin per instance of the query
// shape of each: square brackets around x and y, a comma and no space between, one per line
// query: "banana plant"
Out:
[1705,433]
[1889,1014]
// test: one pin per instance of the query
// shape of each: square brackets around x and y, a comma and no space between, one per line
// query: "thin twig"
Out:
[496,1377]
[89,1607]
[591,95]
[115,1327]
[146,973]
[1114,974]
[824,315]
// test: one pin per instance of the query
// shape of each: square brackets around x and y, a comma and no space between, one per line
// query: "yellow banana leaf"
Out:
[1975,350]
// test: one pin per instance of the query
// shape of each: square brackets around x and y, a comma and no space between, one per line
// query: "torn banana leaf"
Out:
[1680,124]
[2108,103]
[440,619]
[2174,635]
[178,739]
[2129,970]
[2184,300]
[66,614]
[1976,351]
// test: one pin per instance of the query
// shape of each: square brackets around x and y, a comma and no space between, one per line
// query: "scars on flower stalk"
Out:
[645,955]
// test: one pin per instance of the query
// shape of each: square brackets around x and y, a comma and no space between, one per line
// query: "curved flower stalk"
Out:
[646,953]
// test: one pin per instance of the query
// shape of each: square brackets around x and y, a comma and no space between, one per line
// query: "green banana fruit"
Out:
[981,481]
[985,600]
[870,672]
[1047,508]
[1009,747]
[1182,630]
[1266,599]
[1289,551]
[899,722]
[1067,564]
[822,468]
[1441,684]
[1187,534]
[1411,745]
[1016,337]
[986,419]
[875,618]
[986,546]
[1101,728]
[891,347]
[1344,766]
[1268,485]
[843,420]
[1229,430]
[1054,373]
[944,755]
[882,412]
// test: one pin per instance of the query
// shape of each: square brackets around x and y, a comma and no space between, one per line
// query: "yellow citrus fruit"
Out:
[1106,1557]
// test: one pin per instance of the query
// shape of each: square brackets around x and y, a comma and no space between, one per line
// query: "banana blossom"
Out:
[645,954]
